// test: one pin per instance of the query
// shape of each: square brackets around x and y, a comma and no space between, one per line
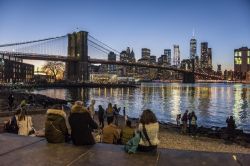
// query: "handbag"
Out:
[11,126]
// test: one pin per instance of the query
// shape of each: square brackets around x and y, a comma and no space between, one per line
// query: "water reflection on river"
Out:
[213,103]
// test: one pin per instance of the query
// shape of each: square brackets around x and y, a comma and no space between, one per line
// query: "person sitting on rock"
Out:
[111,133]
[231,127]
[81,125]
[127,132]
[56,130]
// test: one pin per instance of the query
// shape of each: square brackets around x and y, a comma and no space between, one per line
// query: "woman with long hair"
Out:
[149,128]
[109,113]
[24,123]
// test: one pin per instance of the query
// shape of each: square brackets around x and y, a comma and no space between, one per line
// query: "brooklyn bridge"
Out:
[73,49]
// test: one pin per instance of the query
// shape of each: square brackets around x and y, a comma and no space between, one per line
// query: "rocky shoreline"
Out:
[39,101]
[66,85]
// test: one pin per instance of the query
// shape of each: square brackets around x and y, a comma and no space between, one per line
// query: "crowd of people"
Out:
[77,124]
[189,122]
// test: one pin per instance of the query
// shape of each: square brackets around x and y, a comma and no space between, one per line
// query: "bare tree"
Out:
[56,69]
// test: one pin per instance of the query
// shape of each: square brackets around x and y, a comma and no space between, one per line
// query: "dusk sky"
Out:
[224,24]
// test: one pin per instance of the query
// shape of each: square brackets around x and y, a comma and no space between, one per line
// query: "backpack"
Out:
[193,120]
[11,126]
[132,145]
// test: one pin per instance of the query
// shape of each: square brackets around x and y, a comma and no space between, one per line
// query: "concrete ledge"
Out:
[18,150]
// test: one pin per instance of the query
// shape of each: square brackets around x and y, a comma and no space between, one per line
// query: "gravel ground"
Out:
[173,140]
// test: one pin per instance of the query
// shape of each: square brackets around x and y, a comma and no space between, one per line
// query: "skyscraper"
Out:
[204,55]
[241,62]
[219,71]
[193,48]
[145,53]
[111,57]
[176,58]
[209,54]
[167,52]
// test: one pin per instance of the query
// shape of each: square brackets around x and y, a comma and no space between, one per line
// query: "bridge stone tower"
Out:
[78,49]
[189,77]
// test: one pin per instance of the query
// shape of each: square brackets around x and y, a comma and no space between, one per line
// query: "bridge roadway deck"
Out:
[18,150]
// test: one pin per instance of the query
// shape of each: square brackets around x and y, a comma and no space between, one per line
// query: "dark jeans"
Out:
[10,106]
[152,148]
[101,122]
[193,129]
[231,134]
[109,118]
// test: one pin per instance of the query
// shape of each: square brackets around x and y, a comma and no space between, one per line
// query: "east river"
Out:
[212,103]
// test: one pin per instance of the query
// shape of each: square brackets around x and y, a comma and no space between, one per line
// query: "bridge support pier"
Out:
[188,78]
[78,48]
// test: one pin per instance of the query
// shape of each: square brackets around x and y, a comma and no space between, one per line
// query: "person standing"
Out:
[101,116]
[124,115]
[92,109]
[116,113]
[184,120]
[192,121]
[231,128]
[178,119]
[109,112]
[11,101]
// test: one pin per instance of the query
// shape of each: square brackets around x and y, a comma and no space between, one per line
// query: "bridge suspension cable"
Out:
[48,46]
[92,45]
[99,46]
[114,50]
[33,41]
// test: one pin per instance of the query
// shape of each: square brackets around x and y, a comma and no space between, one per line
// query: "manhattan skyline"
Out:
[224,24]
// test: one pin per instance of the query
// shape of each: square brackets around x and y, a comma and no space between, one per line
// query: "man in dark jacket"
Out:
[55,126]
[81,125]
[184,120]
[101,116]
[11,101]
[230,127]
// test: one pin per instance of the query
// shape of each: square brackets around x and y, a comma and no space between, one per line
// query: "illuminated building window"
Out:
[237,53]
[248,60]
[238,61]
[248,53]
